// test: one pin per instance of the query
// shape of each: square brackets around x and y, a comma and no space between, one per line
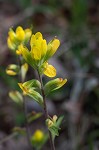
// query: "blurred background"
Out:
[76,24]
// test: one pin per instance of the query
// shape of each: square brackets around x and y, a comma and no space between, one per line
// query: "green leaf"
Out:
[33,116]
[54,85]
[34,84]
[54,131]
[59,121]
[36,96]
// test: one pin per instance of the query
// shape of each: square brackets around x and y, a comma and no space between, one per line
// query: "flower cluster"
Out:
[18,37]
[40,53]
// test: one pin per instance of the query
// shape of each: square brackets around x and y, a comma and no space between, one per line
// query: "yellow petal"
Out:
[50,71]
[24,51]
[36,53]
[33,40]
[38,35]
[61,82]
[24,89]
[52,47]
[20,33]
[10,43]
[11,72]
[12,35]
[55,45]
[28,33]
[18,52]
[43,47]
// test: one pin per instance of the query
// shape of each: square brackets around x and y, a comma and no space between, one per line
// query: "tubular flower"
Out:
[39,54]
[38,46]
[17,37]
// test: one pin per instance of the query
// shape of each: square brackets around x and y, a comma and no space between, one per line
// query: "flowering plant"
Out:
[36,52]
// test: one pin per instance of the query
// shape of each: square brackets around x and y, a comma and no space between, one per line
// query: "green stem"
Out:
[46,110]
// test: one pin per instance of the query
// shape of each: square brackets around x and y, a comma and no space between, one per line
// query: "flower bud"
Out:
[38,136]
[12,69]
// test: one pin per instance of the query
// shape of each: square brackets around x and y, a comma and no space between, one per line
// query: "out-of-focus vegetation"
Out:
[76,24]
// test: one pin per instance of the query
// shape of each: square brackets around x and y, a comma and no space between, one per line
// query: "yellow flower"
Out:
[38,46]
[52,47]
[39,54]
[17,37]
[38,136]
[20,33]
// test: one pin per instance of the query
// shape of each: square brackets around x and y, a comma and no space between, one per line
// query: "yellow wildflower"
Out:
[38,136]
[39,54]
[17,37]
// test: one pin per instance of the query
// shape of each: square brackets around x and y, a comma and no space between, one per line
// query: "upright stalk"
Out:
[46,110]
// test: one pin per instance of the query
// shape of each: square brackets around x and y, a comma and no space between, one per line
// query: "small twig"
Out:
[46,111]
[7,138]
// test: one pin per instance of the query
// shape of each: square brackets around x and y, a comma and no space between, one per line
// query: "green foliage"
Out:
[32,84]
[36,96]
[33,116]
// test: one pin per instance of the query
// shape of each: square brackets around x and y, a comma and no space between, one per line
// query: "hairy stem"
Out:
[46,110]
